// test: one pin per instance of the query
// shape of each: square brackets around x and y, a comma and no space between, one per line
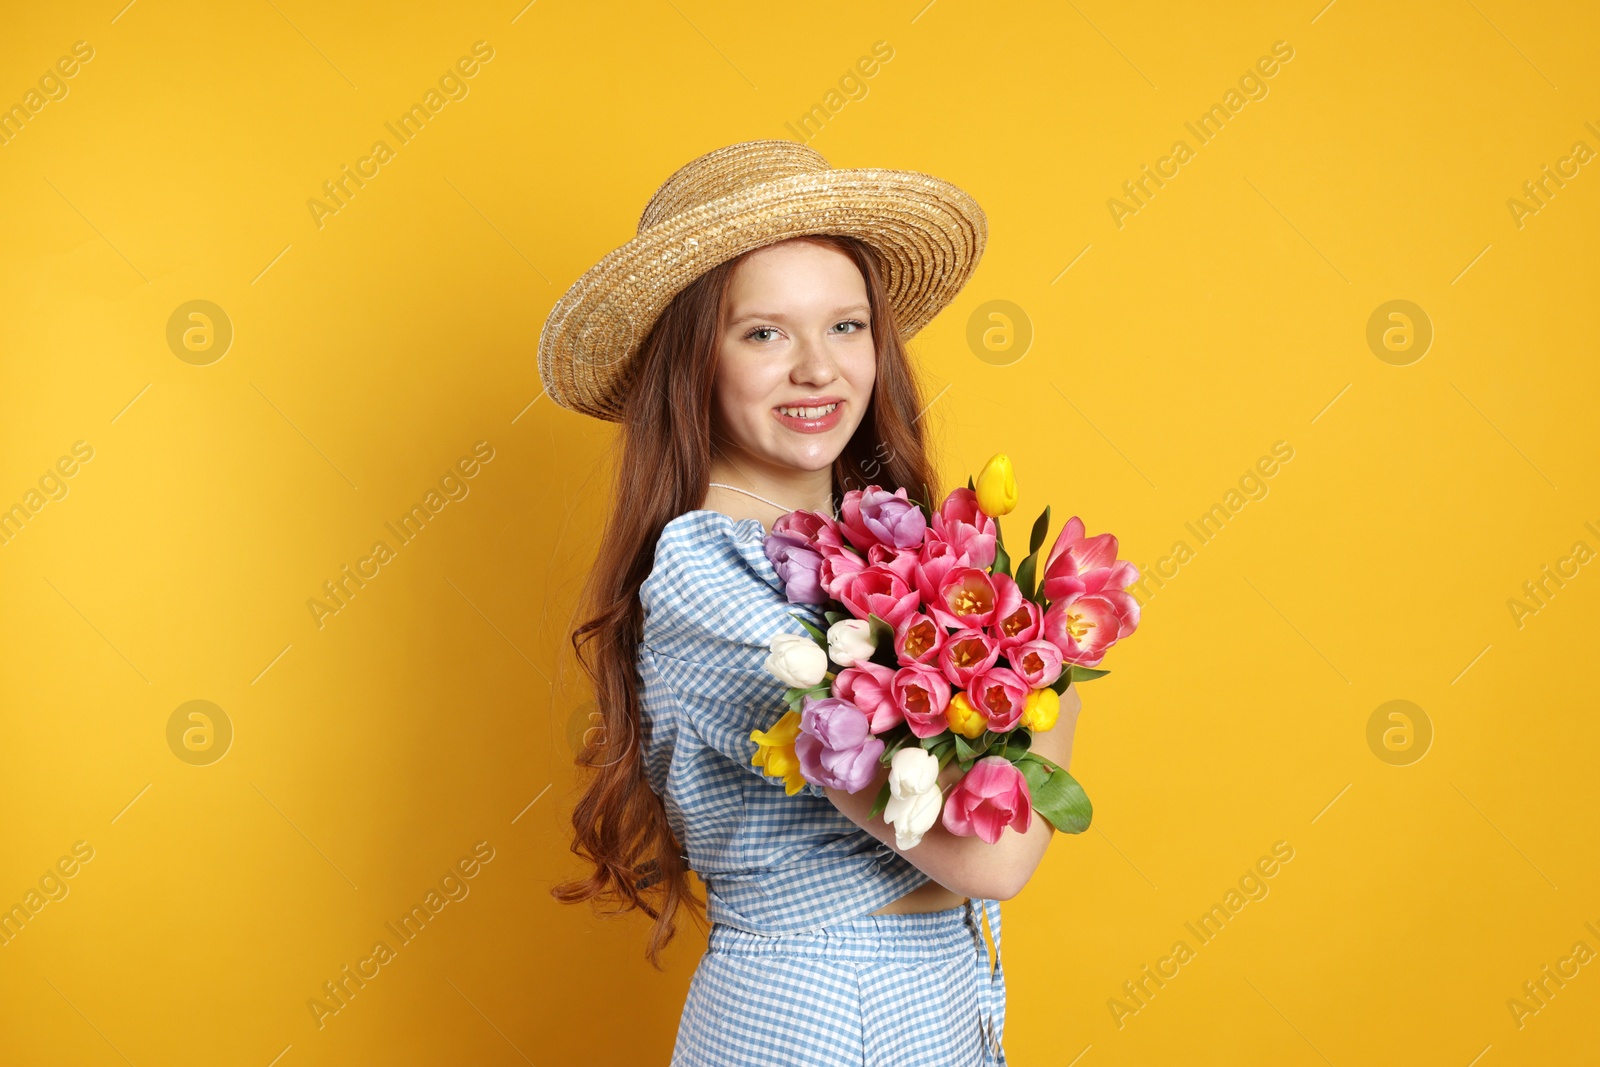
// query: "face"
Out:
[795,359]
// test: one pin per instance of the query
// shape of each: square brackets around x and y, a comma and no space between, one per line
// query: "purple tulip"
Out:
[799,566]
[835,746]
[875,516]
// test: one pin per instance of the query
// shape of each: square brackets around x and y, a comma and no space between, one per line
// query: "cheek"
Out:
[742,392]
[863,370]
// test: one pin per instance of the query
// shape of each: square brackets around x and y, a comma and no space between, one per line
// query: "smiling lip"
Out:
[817,425]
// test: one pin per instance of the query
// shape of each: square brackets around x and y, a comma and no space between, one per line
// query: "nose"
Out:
[814,364]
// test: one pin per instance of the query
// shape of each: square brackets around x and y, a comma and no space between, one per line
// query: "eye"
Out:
[857,323]
[751,336]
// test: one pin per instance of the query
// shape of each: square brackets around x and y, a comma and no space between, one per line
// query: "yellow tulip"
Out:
[775,752]
[965,719]
[997,486]
[1041,710]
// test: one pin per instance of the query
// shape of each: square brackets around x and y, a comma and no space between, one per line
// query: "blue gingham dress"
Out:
[797,970]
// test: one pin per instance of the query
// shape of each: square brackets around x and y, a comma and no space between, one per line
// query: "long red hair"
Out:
[619,824]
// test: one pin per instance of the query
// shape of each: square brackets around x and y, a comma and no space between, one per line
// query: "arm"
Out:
[969,865]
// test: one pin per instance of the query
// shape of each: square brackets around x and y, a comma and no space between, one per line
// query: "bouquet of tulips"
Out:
[936,651]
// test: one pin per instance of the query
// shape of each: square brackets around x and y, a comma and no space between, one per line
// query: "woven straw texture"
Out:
[928,235]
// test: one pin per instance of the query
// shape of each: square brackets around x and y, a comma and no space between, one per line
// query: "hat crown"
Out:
[724,172]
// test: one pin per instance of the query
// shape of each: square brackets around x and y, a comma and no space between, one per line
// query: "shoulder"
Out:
[711,578]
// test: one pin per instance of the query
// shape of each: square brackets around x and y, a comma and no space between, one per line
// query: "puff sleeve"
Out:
[712,605]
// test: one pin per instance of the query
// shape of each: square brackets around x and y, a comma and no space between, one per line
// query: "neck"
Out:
[791,486]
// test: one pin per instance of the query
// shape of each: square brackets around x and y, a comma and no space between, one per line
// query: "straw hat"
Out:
[927,233]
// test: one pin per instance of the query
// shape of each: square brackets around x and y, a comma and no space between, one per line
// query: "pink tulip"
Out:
[918,639]
[922,694]
[1079,564]
[877,590]
[966,598]
[987,799]
[803,526]
[866,685]
[963,524]
[902,561]
[1002,695]
[934,561]
[1021,624]
[1036,662]
[966,654]
[1084,625]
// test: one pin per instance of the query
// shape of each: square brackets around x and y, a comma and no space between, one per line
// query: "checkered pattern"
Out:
[910,990]
[790,880]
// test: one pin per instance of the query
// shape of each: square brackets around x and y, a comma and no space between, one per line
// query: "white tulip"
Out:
[850,642]
[914,795]
[913,816]
[912,770]
[797,660]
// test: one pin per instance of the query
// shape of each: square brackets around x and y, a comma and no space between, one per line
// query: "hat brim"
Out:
[928,234]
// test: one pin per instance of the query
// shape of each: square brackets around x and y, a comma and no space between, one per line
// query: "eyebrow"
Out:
[780,317]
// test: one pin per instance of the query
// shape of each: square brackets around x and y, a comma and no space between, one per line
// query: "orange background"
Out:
[369,351]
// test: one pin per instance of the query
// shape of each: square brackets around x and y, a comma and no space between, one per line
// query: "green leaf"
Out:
[970,484]
[1019,740]
[1041,529]
[1002,561]
[1086,674]
[836,616]
[882,632]
[880,803]
[971,750]
[1061,800]
[895,745]
[796,697]
[1025,574]
[1034,771]
[820,637]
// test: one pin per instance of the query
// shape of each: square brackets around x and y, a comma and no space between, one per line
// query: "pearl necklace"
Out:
[764,500]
